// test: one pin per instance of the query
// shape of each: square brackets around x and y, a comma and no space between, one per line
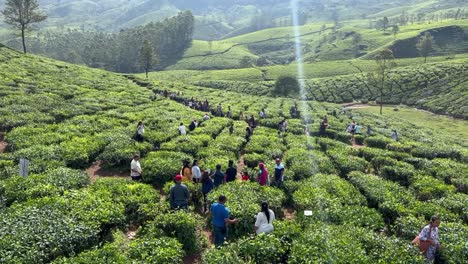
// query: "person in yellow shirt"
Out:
[186,172]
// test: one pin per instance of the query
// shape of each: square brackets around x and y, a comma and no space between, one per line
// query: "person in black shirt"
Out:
[231,172]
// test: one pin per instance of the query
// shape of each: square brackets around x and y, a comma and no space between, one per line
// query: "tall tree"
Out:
[425,44]
[147,57]
[21,14]
[384,60]
[385,23]
[395,30]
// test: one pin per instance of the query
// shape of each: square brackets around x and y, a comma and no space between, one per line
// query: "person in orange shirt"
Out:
[186,171]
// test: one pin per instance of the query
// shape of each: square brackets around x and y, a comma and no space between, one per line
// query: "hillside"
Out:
[320,42]
[224,18]
[65,118]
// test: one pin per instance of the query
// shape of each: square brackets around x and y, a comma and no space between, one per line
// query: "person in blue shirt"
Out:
[279,173]
[220,220]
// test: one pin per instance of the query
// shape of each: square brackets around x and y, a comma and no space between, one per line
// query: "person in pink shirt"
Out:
[262,177]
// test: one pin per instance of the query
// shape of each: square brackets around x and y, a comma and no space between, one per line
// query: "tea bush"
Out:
[243,201]
[53,182]
[183,226]
[160,167]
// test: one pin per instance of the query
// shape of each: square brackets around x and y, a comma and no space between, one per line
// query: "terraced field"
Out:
[64,117]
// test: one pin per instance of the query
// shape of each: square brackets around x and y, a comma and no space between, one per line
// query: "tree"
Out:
[357,38]
[21,14]
[424,45]
[395,30]
[147,57]
[385,23]
[286,85]
[384,60]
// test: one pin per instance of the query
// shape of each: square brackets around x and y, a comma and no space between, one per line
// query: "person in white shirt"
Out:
[206,117]
[135,168]
[264,222]
[196,172]
[182,130]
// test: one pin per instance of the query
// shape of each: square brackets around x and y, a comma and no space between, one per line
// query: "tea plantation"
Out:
[368,200]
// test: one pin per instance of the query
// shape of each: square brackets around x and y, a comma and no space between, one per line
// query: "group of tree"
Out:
[143,48]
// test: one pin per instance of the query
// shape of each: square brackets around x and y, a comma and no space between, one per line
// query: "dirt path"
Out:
[97,170]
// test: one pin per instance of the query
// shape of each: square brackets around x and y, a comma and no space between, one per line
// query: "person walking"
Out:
[196,172]
[262,176]
[140,131]
[429,235]
[135,168]
[231,172]
[220,220]
[369,130]
[179,194]
[207,186]
[264,220]
[218,176]
[395,135]
[279,173]
[186,171]
[182,130]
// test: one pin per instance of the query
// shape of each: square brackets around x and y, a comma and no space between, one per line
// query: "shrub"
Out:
[53,182]
[427,188]
[377,142]
[131,195]
[181,225]
[161,166]
[346,163]
[400,172]
[243,201]
[430,152]
[109,253]
[340,244]
[286,85]
[155,250]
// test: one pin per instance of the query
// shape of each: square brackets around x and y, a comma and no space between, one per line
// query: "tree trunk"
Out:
[22,38]
[381,91]
[425,58]
[146,71]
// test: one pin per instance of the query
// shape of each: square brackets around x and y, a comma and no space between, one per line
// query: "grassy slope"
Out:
[199,56]
[445,125]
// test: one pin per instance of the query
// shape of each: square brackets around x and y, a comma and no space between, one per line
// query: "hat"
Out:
[278,159]
[178,177]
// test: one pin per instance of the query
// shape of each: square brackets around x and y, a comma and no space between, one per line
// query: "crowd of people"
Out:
[179,194]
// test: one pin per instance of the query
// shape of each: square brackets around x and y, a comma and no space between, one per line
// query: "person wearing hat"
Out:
[179,194]
[279,173]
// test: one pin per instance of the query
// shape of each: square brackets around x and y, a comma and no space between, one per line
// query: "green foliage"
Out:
[334,200]
[243,201]
[150,249]
[109,253]
[133,196]
[196,195]
[286,85]
[377,142]
[186,227]
[51,183]
[399,171]
[161,166]
[349,244]
[259,249]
